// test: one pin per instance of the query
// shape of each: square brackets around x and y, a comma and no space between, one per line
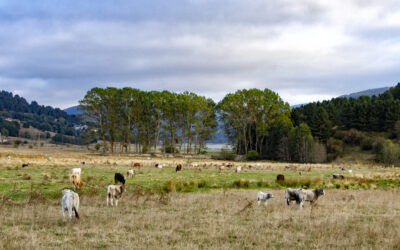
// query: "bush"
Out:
[202,184]
[367,143]
[252,155]
[389,154]
[334,148]
[353,136]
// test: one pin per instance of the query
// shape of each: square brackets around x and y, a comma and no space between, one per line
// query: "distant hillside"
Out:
[368,92]
[16,113]
[74,110]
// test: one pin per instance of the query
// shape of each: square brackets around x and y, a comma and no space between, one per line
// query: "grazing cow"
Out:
[119,178]
[178,167]
[70,202]
[83,162]
[258,165]
[136,164]
[261,196]
[343,169]
[229,165]
[312,195]
[24,165]
[114,192]
[280,177]
[221,168]
[76,181]
[238,169]
[287,167]
[76,171]
[130,173]
[294,195]
[158,165]
[337,176]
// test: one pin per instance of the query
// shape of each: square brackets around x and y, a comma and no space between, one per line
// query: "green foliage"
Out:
[300,143]
[376,113]
[248,117]
[389,154]
[125,115]
[334,148]
[252,155]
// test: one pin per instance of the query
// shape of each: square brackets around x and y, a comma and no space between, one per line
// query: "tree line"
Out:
[253,119]
[122,117]
[376,114]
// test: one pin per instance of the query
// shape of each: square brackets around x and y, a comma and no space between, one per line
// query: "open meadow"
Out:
[198,208]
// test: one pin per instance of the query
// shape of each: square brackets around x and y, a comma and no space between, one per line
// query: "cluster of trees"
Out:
[44,118]
[123,116]
[9,128]
[259,120]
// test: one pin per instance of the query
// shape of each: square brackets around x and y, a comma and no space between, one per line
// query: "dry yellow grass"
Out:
[217,220]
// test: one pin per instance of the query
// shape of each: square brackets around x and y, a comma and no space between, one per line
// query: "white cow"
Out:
[130,173]
[69,202]
[261,196]
[238,169]
[76,171]
[114,192]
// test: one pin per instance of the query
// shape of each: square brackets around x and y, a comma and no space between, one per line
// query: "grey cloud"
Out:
[54,53]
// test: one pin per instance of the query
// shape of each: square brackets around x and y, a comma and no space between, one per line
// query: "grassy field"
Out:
[198,208]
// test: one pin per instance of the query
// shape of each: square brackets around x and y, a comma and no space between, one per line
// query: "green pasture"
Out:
[47,181]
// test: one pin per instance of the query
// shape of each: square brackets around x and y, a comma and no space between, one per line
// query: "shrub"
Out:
[252,155]
[334,148]
[202,184]
[168,187]
[366,143]
[237,184]
[389,154]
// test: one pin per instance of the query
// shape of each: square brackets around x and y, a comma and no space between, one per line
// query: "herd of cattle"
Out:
[70,199]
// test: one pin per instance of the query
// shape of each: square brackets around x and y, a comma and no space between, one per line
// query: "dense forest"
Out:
[44,118]
[373,123]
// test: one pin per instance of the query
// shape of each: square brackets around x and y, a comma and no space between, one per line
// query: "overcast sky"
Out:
[54,51]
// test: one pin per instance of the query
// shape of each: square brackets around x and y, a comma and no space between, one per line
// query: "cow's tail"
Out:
[76,213]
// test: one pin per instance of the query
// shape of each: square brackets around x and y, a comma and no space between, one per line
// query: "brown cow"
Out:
[280,177]
[76,181]
[136,165]
[178,167]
